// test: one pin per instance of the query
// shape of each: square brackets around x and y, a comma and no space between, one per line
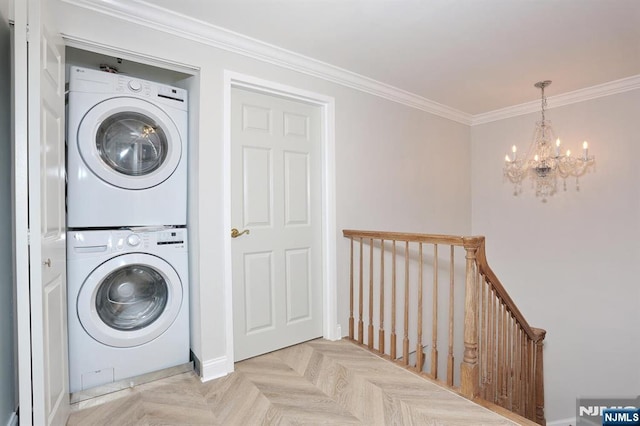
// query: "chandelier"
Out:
[544,163]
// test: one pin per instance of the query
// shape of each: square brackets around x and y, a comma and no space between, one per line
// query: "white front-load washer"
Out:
[126,151]
[128,304]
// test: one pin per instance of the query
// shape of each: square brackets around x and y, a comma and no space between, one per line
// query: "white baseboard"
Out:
[563,422]
[336,335]
[214,368]
[13,420]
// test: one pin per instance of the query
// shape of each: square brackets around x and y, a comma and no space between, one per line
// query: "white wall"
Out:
[7,377]
[391,169]
[571,264]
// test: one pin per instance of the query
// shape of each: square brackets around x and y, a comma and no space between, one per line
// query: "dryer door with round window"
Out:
[130,300]
[129,143]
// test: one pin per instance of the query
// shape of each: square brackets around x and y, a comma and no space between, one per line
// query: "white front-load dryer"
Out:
[126,151]
[128,304]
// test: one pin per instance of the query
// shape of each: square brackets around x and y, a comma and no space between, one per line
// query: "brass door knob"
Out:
[235,233]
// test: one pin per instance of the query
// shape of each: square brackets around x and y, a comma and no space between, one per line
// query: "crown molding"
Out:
[152,16]
[601,90]
[157,18]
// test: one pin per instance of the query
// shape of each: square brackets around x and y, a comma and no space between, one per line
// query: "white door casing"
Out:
[276,195]
[39,195]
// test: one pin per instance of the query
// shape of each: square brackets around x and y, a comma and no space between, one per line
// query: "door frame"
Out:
[331,328]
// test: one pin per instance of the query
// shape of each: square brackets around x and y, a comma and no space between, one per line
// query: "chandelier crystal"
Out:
[544,163]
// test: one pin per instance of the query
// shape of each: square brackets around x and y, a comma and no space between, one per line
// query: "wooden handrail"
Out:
[502,358]
[534,334]
[406,236]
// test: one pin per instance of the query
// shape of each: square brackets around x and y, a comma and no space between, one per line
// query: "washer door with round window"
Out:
[129,300]
[129,143]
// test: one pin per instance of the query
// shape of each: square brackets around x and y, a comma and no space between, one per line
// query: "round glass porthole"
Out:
[131,297]
[131,143]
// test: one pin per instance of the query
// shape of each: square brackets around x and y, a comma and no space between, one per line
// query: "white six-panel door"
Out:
[40,189]
[276,197]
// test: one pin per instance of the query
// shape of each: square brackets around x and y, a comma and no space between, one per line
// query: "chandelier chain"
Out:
[544,102]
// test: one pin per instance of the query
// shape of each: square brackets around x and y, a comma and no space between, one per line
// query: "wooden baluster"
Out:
[479,285]
[539,378]
[532,380]
[360,297]
[505,356]
[351,293]
[484,339]
[517,368]
[450,359]
[530,396]
[393,301]
[370,327]
[381,328]
[506,377]
[405,341]
[469,373]
[419,351]
[494,348]
[434,332]
[526,378]
[512,374]
[525,382]
[500,353]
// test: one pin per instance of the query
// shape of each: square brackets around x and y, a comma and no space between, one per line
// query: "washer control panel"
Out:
[98,242]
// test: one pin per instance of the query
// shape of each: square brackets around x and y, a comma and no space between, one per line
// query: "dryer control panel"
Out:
[94,81]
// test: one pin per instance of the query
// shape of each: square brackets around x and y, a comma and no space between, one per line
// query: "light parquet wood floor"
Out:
[317,382]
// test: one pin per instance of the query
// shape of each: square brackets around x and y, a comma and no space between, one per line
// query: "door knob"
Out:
[235,233]
[47,263]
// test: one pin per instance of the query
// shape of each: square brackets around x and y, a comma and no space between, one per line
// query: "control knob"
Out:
[135,85]
[133,240]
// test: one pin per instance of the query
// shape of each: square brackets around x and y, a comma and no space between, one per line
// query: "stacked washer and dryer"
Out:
[127,259]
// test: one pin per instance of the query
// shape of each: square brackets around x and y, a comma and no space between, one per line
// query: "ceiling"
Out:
[472,55]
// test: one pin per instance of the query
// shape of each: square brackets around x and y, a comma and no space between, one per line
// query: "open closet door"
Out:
[39,223]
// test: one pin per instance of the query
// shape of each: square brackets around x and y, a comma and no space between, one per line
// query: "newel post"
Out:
[539,377]
[469,370]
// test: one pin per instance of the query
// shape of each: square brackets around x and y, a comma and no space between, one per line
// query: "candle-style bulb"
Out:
[514,149]
[558,142]
[507,159]
[568,153]
[585,145]
[536,158]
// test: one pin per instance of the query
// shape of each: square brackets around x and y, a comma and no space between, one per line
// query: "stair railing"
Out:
[397,284]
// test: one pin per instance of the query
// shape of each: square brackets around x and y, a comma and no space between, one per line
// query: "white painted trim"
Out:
[214,368]
[331,329]
[13,420]
[158,18]
[563,422]
[21,210]
[226,219]
[118,52]
[601,90]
